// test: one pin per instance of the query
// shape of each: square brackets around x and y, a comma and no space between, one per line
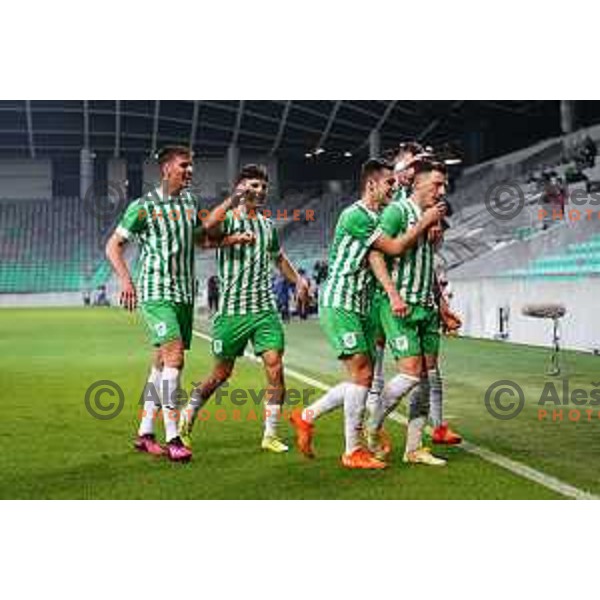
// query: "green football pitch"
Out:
[54,448]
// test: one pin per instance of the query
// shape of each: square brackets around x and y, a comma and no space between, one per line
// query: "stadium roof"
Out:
[285,127]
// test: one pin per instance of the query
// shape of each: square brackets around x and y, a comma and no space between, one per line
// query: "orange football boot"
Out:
[444,435]
[362,459]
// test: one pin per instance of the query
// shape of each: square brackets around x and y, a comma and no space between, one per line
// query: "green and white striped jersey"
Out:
[412,272]
[350,278]
[245,272]
[164,230]
[401,195]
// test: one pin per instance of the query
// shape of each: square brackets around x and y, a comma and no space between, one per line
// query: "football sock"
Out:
[414,434]
[151,402]
[378,380]
[272,417]
[170,380]
[418,400]
[354,412]
[436,413]
[333,399]
[390,398]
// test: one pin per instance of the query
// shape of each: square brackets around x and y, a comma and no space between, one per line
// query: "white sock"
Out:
[272,418]
[418,399]
[333,399]
[390,398]
[378,380]
[354,412]
[152,403]
[414,434]
[436,397]
[170,385]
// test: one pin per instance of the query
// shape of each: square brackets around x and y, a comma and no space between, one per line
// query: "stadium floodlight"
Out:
[452,161]
[308,155]
[347,154]
[319,151]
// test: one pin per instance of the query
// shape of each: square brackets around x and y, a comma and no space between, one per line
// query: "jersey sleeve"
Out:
[393,221]
[360,226]
[133,221]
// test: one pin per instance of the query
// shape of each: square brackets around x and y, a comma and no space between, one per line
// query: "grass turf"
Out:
[53,448]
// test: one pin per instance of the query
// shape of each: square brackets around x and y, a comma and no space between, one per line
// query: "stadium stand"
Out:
[51,246]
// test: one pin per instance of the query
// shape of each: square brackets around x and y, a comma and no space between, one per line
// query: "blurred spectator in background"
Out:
[213,293]
[590,151]
[320,272]
[283,289]
[101,299]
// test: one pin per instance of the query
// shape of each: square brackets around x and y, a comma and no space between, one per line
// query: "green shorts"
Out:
[348,332]
[231,334]
[417,334]
[375,324]
[167,321]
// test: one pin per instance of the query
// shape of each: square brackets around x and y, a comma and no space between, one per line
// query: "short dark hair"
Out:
[253,171]
[369,168]
[427,165]
[166,153]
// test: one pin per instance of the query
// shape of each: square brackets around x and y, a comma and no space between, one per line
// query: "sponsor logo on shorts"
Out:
[161,329]
[401,343]
[349,340]
[217,346]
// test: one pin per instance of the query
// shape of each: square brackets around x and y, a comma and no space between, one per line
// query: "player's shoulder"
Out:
[396,207]
[141,202]
[357,212]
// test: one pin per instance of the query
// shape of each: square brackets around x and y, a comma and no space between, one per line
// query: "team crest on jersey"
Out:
[161,329]
[401,343]
[217,346]
[349,340]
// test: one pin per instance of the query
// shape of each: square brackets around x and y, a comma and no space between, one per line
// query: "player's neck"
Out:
[370,202]
[169,190]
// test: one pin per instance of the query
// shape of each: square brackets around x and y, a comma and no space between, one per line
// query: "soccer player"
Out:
[408,154]
[247,311]
[344,309]
[409,314]
[164,222]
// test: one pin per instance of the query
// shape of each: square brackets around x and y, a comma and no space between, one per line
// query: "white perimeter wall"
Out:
[478,301]
[49,299]
[25,178]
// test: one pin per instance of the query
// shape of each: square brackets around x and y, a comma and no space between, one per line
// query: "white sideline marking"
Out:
[515,467]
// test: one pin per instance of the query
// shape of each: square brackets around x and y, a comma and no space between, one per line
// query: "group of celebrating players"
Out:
[381,291]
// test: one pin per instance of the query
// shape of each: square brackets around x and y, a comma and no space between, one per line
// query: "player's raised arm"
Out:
[217,216]
[400,244]
[115,252]
[219,240]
